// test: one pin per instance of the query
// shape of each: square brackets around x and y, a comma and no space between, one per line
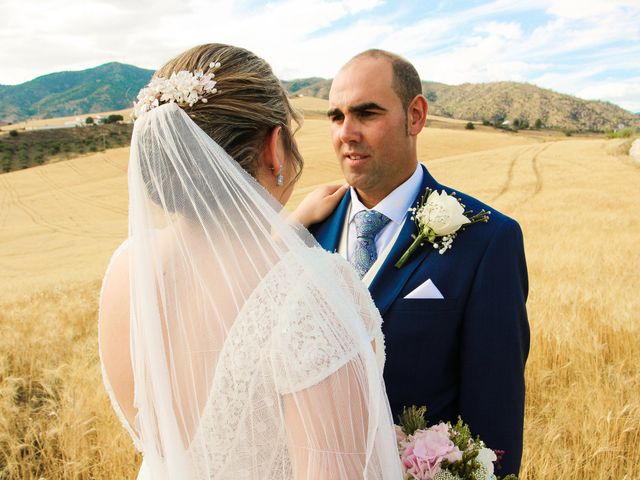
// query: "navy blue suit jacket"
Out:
[464,354]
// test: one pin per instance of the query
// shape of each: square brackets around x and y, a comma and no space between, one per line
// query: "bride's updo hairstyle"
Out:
[246,105]
[250,102]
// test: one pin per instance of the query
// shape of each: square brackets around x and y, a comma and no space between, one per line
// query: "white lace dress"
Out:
[276,346]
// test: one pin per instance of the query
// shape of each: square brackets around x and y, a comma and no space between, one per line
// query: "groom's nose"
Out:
[350,131]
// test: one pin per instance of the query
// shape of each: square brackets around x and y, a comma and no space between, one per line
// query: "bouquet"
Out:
[442,451]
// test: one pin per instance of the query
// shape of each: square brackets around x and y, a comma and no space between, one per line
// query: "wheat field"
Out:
[576,199]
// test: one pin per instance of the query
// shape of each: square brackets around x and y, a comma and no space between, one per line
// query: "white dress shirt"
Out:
[394,206]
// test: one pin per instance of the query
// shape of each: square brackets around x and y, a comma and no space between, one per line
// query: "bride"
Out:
[232,346]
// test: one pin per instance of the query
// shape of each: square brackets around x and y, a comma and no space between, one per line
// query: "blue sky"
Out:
[588,48]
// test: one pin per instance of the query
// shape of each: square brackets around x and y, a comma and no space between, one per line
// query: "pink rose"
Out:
[425,451]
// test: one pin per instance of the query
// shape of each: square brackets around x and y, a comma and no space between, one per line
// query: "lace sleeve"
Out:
[358,293]
[318,331]
[334,403]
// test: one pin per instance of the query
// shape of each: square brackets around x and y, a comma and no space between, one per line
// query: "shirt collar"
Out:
[395,205]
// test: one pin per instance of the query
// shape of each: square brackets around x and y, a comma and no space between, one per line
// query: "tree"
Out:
[498,119]
[469,126]
[13,133]
[89,121]
[54,148]
[113,118]
[538,123]
[431,96]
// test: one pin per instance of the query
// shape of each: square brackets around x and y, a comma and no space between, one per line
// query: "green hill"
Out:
[112,86]
[309,87]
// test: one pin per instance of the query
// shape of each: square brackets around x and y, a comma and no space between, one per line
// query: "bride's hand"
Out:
[319,204]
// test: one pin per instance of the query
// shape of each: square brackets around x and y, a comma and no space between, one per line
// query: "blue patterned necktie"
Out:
[368,225]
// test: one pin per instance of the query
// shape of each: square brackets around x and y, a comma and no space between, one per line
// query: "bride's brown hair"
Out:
[250,103]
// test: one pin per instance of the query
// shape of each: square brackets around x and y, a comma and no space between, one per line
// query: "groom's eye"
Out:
[366,113]
[335,115]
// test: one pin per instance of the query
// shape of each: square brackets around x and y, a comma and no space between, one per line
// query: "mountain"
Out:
[112,86]
[501,101]
[309,87]
[511,100]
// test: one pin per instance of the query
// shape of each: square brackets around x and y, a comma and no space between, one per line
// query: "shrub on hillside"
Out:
[13,133]
[626,132]
[89,121]
[469,126]
[39,146]
[114,118]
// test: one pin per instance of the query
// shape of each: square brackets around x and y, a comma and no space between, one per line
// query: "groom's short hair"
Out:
[406,81]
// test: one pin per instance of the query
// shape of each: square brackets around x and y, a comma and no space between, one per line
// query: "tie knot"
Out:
[369,223]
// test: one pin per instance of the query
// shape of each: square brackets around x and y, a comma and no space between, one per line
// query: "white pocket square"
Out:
[426,290]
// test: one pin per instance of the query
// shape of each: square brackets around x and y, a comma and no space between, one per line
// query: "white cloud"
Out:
[506,30]
[424,34]
[81,34]
[490,53]
[575,46]
[589,9]
[626,94]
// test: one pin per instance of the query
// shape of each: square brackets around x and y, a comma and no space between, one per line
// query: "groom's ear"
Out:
[417,115]
[271,157]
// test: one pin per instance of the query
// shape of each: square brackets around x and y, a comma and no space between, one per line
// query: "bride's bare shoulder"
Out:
[115,285]
[113,331]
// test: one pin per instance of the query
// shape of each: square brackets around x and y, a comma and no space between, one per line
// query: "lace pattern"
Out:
[278,344]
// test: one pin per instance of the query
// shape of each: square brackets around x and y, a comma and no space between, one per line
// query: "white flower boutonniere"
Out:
[438,218]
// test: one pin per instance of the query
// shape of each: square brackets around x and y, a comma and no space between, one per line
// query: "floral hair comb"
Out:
[183,88]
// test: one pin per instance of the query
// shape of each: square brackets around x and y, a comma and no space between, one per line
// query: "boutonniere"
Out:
[438,217]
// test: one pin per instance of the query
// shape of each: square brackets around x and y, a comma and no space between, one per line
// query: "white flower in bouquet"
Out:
[486,457]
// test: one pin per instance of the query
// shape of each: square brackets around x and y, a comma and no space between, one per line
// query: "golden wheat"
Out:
[575,199]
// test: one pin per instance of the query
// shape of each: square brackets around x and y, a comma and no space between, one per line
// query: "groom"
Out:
[455,324]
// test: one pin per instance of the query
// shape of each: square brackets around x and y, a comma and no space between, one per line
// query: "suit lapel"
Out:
[389,281]
[328,232]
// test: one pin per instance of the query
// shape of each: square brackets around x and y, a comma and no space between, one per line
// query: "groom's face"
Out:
[369,129]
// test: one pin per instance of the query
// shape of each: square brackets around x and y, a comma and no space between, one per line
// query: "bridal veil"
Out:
[251,347]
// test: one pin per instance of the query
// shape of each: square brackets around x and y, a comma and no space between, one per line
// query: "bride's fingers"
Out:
[341,189]
[335,195]
[337,190]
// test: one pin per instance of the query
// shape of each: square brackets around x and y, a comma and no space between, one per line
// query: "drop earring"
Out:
[280,178]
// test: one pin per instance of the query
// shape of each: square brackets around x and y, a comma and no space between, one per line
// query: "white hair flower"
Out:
[184,88]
